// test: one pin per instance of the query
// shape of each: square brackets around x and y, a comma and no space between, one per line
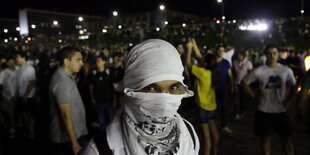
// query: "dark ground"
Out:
[243,142]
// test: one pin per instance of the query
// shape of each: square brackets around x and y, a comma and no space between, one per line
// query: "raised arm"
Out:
[189,47]
[198,53]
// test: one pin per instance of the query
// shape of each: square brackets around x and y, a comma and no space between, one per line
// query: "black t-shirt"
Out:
[117,74]
[103,86]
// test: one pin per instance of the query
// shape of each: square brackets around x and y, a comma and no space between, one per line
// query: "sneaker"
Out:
[227,130]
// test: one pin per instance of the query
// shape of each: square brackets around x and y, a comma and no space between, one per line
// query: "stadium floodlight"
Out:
[55,22]
[80,19]
[254,27]
[166,22]
[161,7]
[17,28]
[115,13]
[5,30]
[104,30]
[183,25]
[33,26]
[219,1]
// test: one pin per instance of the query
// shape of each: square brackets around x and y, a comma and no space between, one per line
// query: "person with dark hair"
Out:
[102,91]
[205,96]
[148,122]
[276,90]
[26,92]
[241,67]
[117,73]
[224,82]
[68,122]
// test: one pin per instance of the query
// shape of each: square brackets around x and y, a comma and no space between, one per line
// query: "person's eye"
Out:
[174,88]
[151,88]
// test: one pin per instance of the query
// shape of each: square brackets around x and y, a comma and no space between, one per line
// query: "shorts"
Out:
[206,115]
[267,123]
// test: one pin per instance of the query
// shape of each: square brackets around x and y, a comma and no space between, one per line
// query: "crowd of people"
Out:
[69,98]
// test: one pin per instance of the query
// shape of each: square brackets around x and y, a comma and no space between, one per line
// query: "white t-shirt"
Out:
[228,55]
[8,81]
[272,86]
[24,75]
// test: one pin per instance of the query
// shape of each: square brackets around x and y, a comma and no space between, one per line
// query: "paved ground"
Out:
[243,142]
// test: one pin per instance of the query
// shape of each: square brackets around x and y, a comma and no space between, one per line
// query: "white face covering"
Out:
[150,122]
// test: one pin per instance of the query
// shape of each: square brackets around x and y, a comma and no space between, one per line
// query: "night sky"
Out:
[234,9]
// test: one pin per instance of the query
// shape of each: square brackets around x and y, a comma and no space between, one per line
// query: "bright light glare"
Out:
[33,26]
[302,11]
[307,62]
[223,17]
[81,19]
[218,21]
[219,1]
[234,21]
[6,40]
[17,28]
[83,37]
[254,27]
[104,30]
[157,29]
[55,22]
[183,25]
[166,22]
[115,13]
[81,31]
[162,7]
[5,30]
[119,26]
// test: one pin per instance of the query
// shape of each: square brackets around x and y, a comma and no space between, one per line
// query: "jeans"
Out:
[104,114]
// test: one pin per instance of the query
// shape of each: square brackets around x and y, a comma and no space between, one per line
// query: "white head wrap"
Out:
[149,62]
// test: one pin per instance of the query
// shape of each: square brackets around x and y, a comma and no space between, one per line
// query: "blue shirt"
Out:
[222,71]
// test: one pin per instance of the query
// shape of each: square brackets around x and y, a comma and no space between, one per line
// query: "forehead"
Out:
[99,58]
[77,54]
[165,83]
[272,50]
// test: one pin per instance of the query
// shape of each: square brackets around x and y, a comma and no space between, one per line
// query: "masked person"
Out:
[148,122]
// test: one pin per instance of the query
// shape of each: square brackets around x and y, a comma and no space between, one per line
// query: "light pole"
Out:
[302,11]
[222,7]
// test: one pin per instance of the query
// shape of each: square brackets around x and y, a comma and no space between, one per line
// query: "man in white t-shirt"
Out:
[25,95]
[274,82]
[8,89]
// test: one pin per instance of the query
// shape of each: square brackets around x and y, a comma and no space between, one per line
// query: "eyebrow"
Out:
[176,84]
